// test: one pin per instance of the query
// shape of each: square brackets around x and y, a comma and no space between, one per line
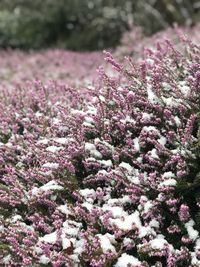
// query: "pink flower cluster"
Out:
[134,42]
[73,68]
[89,176]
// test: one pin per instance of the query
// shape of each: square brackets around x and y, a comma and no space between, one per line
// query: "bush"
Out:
[88,24]
[134,42]
[105,176]
[77,25]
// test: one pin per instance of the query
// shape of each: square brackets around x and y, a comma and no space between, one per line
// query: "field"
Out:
[99,154]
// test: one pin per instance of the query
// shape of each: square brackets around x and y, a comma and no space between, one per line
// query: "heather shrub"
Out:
[134,42]
[58,65]
[106,175]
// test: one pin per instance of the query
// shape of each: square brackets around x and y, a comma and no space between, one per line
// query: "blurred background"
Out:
[87,24]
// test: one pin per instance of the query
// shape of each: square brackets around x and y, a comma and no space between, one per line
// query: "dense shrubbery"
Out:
[104,176]
[134,42]
[73,68]
[88,24]
[73,24]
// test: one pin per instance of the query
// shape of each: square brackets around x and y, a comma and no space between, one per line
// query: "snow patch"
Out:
[169,182]
[158,242]
[177,121]
[168,175]
[44,259]
[87,124]
[126,166]
[43,141]
[16,218]
[50,165]
[128,222]
[87,193]
[146,116]
[7,259]
[64,209]
[92,150]
[125,260]
[136,144]
[128,119]
[52,185]
[54,149]
[192,233]
[60,140]
[150,128]
[153,99]
[105,241]
[49,238]
[106,163]
[184,88]
[66,243]
[162,140]
[154,154]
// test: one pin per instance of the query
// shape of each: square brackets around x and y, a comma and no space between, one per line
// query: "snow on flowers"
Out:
[91,180]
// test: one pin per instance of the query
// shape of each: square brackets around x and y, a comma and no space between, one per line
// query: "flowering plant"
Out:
[104,176]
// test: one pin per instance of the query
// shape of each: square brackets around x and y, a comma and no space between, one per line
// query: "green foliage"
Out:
[88,24]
